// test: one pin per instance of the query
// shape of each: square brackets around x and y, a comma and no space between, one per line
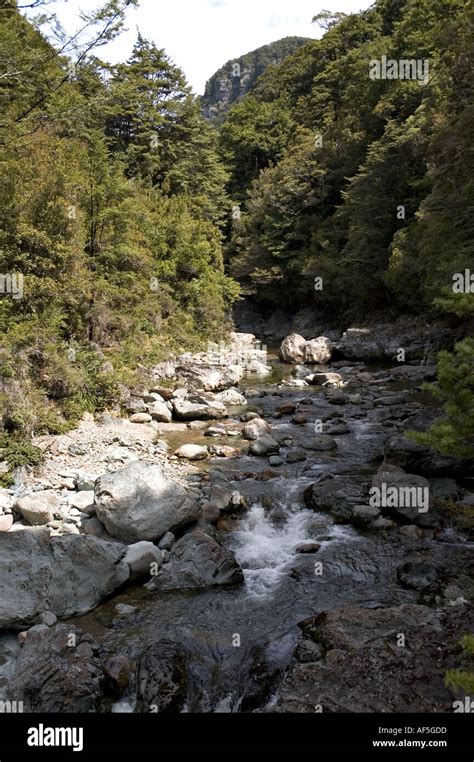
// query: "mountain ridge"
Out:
[237,76]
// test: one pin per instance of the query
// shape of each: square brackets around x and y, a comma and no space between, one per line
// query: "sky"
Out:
[201,35]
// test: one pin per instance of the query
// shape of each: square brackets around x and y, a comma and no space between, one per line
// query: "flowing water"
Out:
[240,640]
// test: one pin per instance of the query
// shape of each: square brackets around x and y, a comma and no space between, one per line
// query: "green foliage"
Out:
[461,680]
[16,453]
[112,200]
[393,222]
[454,434]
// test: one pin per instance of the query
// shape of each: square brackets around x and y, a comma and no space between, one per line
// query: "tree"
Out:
[454,434]
[328,19]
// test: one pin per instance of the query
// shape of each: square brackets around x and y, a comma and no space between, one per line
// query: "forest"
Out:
[117,195]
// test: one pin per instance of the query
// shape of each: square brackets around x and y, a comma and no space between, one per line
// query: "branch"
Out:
[90,46]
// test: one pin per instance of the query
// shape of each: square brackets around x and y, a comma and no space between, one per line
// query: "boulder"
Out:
[144,559]
[352,628]
[167,541]
[364,515]
[95,528]
[318,351]
[365,668]
[223,451]
[406,497]
[255,429]
[6,523]
[265,445]
[153,397]
[39,508]
[67,575]
[160,412]
[404,452]
[165,393]
[225,499]
[293,349]
[211,378]
[83,501]
[324,379]
[192,452]
[162,679]
[258,368]
[59,671]
[197,561]
[215,431]
[139,503]
[231,397]
[211,410]
[363,344]
[135,405]
[287,408]
[336,496]
[417,575]
[141,418]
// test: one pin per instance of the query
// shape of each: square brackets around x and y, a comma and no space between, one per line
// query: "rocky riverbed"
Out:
[216,545]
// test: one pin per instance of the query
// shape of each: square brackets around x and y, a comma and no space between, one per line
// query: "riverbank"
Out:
[266,567]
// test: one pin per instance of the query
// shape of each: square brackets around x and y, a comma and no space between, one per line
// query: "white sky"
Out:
[201,35]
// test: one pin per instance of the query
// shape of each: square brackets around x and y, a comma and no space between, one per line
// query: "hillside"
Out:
[358,176]
[238,76]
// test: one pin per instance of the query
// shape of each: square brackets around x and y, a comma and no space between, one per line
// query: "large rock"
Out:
[418,575]
[141,418]
[324,379]
[139,503]
[404,452]
[264,446]
[255,429]
[366,344]
[67,575]
[318,351]
[39,508]
[160,412]
[83,501]
[144,559]
[352,627]
[231,397]
[162,679]
[210,410]
[320,443]
[58,670]
[192,452]
[337,496]
[197,561]
[406,497]
[293,349]
[367,666]
[383,341]
[211,378]
[6,522]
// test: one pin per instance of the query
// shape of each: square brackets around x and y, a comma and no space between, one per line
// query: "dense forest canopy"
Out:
[113,201]
[129,221]
[362,180]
